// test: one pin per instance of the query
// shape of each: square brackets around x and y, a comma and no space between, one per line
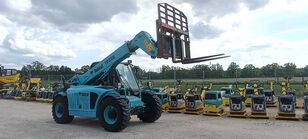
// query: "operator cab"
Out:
[122,77]
[213,97]
[227,91]
[8,72]
[249,92]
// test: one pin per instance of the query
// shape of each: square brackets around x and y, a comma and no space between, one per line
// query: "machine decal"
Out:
[148,45]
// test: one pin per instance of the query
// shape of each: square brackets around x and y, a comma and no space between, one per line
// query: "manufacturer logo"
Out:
[236,107]
[267,98]
[190,104]
[258,107]
[148,45]
[287,108]
[174,103]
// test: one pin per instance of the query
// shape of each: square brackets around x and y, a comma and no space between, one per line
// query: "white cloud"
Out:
[257,32]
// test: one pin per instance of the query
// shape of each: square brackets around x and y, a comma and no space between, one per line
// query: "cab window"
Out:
[219,95]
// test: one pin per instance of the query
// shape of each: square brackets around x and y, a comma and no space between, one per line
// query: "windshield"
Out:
[210,96]
[127,77]
[227,91]
[249,91]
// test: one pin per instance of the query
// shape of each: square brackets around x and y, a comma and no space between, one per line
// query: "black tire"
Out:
[65,117]
[152,110]
[120,111]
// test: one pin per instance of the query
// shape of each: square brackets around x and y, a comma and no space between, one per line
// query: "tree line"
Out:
[170,72]
[233,71]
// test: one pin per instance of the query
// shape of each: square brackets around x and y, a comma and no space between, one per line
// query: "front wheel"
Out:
[60,111]
[114,114]
[152,110]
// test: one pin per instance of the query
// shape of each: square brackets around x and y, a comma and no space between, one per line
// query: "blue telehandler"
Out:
[91,95]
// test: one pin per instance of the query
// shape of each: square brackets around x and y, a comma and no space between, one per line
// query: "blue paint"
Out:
[78,94]
[217,101]
[227,91]
[110,114]
[83,113]
[59,110]
[134,101]
[116,57]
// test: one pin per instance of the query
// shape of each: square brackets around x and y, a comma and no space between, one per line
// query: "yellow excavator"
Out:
[24,84]
[12,85]
[28,88]
[9,79]
[33,89]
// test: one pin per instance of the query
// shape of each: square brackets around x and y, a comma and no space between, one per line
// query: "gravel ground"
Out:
[31,120]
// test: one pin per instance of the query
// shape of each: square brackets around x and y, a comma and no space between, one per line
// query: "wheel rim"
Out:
[110,115]
[59,110]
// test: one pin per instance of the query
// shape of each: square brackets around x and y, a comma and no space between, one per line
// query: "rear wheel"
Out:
[152,110]
[60,110]
[114,114]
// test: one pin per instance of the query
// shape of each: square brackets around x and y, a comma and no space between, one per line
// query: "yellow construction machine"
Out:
[291,91]
[227,92]
[270,94]
[24,84]
[193,102]
[28,89]
[176,100]
[250,90]
[258,105]
[9,79]
[286,104]
[213,103]
[33,90]
[237,104]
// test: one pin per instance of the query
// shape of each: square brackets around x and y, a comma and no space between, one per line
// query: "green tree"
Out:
[53,68]
[65,70]
[289,69]
[37,66]
[271,69]
[233,70]
[217,71]
[197,71]
[248,71]
[84,68]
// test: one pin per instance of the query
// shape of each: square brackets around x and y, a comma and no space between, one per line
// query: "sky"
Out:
[79,32]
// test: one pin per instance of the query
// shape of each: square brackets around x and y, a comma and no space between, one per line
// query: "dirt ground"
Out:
[31,120]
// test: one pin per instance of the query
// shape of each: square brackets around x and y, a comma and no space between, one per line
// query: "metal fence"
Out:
[52,78]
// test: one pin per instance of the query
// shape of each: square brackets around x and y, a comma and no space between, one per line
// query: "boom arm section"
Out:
[172,42]
[142,40]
